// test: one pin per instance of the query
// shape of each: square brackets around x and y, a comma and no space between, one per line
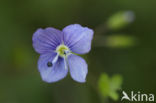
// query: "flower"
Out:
[58,51]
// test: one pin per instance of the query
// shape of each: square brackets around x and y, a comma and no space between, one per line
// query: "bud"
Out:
[120,20]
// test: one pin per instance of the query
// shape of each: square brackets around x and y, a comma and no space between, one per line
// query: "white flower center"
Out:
[62,50]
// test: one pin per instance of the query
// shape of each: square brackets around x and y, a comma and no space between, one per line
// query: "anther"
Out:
[49,64]
[65,52]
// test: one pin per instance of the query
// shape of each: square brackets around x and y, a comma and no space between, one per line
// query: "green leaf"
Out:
[108,86]
[116,82]
[104,86]
[114,96]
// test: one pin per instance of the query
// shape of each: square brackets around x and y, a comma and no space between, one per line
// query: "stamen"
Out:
[55,59]
[62,51]
[65,64]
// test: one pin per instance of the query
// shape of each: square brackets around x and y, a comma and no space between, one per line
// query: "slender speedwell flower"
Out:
[56,50]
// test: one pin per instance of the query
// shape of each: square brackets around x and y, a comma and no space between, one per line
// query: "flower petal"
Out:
[78,68]
[46,40]
[78,38]
[53,73]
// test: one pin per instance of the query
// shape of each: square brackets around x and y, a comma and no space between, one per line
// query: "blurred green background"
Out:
[20,81]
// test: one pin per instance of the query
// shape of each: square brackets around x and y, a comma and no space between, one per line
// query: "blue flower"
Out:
[56,50]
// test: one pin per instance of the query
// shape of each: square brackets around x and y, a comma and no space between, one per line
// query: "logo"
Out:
[138,96]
